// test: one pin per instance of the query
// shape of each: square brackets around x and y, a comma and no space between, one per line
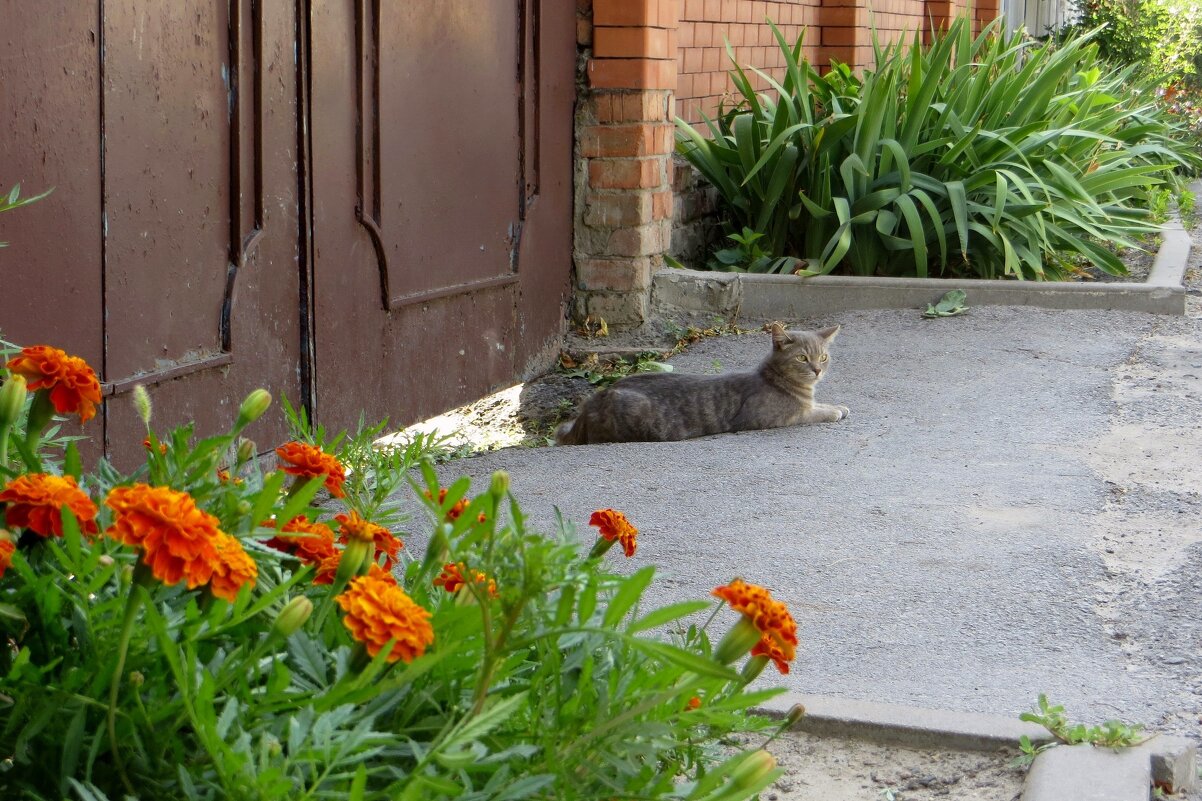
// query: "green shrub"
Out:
[194,630]
[987,157]
[1162,38]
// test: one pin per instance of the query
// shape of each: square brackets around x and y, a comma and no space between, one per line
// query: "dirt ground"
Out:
[825,769]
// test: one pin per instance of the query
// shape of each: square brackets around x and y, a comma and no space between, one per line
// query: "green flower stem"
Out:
[601,547]
[491,657]
[127,630]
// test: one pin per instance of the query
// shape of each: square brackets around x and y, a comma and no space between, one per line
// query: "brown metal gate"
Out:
[186,142]
[441,152]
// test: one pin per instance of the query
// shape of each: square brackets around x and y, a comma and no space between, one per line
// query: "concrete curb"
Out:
[764,297]
[1170,763]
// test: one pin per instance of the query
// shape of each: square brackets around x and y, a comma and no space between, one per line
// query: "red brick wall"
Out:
[706,26]
[835,29]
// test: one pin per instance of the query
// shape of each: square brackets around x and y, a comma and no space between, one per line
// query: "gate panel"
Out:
[50,137]
[202,273]
[427,168]
[449,185]
[168,254]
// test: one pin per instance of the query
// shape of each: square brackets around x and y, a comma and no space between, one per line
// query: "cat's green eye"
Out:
[824,357]
[803,358]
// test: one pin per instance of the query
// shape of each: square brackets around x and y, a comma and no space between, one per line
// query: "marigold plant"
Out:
[614,527]
[451,579]
[770,617]
[35,501]
[379,612]
[353,527]
[69,382]
[198,652]
[310,542]
[233,569]
[178,541]
[7,549]
[308,461]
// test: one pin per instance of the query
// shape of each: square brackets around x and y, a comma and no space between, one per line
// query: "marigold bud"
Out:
[500,484]
[104,560]
[12,400]
[796,713]
[739,640]
[753,668]
[246,451]
[142,403]
[253,407]
[136,678]
[752,770]
[292,616]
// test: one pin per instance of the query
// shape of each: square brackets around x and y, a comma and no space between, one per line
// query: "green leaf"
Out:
[629,592]
[666,614]
[685,659]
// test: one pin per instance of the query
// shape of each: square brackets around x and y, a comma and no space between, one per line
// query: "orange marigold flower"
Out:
[70,381]
[35,501]
[456,510]
[162,445]
[451,579]
[767,647]
[224,477]
[177,538]
[7,547]
[354,527]
[300,537]
[613,525]
[232,569]
[694,703]
[378,611]
[309,461]
[768,615]
[328,568]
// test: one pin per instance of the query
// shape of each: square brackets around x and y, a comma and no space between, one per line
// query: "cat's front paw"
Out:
[843,411]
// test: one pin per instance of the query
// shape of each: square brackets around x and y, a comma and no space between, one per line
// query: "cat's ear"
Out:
[827,334]
[780,337]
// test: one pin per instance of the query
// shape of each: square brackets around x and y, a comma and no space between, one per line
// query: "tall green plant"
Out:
[986,156]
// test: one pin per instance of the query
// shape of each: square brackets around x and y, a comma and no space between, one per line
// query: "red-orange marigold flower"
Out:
[451,579]
[35,501]
[694,703]
[768,615]
[162,446]
[378,611]
[300,537]
[456,510]
[7,547]
[354,527]
[70,381]
[613,525]
[328,568]
[224,477]
[232,569]
[177,538]
[767,647]
[309,461]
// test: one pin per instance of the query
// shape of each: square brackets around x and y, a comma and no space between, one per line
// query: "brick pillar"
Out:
[624,144]
[845,34]
[938,15]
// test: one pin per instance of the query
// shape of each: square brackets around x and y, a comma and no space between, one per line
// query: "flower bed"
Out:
[198,629]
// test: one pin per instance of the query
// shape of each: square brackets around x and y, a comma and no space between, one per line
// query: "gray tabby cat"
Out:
[659,407]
